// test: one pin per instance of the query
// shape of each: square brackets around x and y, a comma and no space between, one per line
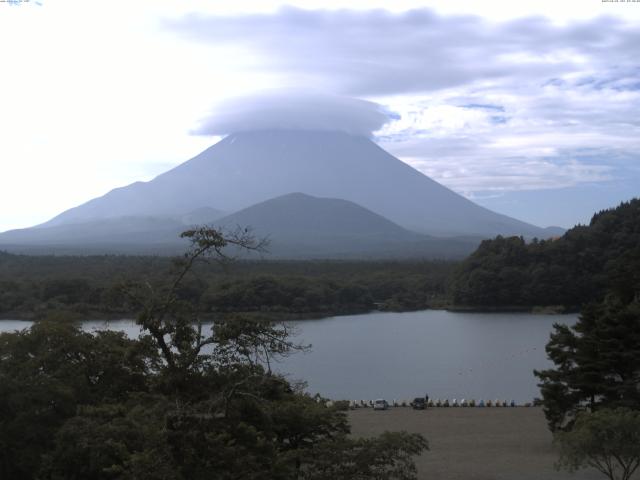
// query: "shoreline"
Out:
[305,316]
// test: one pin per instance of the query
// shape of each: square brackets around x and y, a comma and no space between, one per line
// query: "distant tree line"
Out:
[91,286]
[571,270]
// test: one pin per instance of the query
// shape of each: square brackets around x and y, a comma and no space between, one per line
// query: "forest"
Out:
[91,286]
[568,271]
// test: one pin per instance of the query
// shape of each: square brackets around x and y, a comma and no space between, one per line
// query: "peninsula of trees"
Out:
[569,271]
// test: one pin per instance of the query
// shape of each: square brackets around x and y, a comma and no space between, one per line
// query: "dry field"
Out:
[475,443]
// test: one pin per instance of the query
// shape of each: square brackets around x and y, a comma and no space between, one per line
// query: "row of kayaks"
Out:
[353,404]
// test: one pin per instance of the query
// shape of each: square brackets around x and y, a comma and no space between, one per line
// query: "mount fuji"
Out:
[247,168]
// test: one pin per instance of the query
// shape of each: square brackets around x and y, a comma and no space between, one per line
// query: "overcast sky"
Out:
[527,107]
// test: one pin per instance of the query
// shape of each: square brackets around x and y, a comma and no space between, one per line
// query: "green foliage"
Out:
[46,373]
[268,293]
[88,286]
[112,441]
[596,362]
[572,270]
[178,403]
[386,457]
[607,440]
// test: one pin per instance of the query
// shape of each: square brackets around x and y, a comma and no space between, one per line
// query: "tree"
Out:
[234,415]
[389,456]
[46,373]
[607,440]
[167,318]
[597,362]
[125,440]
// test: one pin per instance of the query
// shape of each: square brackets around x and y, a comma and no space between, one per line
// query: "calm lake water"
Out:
[402,355]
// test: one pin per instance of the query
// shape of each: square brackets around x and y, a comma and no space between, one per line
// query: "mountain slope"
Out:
[297,226]
[302,226]
[250,167]
[135,234]
[303,215]
[122,230]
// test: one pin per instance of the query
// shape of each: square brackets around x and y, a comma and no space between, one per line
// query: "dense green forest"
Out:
[30,286]
[570,271]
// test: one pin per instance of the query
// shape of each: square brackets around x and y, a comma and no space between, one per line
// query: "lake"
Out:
[402,355]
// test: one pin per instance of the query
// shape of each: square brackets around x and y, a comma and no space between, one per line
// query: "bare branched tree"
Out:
[175,325]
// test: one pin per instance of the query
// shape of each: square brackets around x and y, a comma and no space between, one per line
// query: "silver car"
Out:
[380,404]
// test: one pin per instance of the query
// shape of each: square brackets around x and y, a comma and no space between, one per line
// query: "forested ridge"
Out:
[30,286]
[570,271]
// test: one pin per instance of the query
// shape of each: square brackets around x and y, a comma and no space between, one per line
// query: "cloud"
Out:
[295,110]
[531,138]
[510,174]
[377,52]
[484,106]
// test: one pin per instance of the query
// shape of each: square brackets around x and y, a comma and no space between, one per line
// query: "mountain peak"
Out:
[298,212]
[249,167]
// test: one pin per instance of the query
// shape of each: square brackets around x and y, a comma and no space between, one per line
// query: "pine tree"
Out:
[597,362]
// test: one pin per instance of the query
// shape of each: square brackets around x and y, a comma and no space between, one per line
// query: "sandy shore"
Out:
[475,443]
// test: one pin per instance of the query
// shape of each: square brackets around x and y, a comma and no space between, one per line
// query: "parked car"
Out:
[380,404]
[419,403]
